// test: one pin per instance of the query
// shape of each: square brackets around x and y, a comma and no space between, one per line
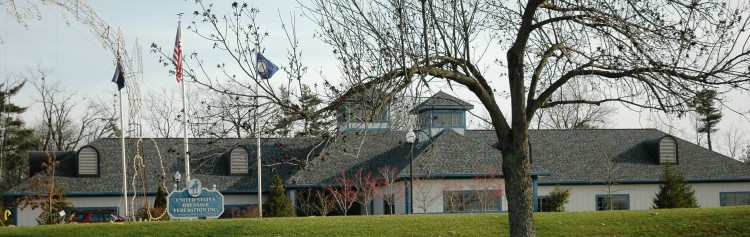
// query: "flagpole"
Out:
[264,70]
[185,129]
[184,111]
[124,166]
[257,136]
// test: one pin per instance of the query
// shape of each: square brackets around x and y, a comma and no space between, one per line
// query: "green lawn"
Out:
[728,221]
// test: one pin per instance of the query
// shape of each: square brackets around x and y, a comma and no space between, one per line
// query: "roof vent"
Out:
[664,150]
[88,162]
[238,159]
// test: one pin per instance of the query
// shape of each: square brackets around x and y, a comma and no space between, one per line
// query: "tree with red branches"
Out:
[343,192]
[367,186]
[51,199]
[487,188]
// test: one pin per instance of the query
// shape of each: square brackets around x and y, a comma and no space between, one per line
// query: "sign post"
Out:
[195,202]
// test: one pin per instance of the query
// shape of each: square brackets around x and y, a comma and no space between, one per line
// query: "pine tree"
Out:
[161,198]
[674,191]
[703,102]
[278,204]
[312,124]
[15,139]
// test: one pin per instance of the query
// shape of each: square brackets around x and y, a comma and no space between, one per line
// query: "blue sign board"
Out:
[195,202]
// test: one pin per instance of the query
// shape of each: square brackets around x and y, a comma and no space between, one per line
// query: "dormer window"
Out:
[88,162]
[238,161]
[668,150]
[664,150]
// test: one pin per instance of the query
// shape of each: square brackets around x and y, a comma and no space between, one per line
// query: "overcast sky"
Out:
[85,68]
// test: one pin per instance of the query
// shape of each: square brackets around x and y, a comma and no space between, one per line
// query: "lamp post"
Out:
[176,179]
[410,138]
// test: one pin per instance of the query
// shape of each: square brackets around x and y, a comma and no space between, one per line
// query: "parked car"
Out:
[95,217]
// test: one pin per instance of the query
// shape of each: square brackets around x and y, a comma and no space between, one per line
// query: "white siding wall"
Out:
[27,217]
[245,199]
[708,193]
[583,197]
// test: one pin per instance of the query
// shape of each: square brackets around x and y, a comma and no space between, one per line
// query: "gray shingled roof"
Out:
[209,164]
[349,152]
[453,154]
[580,156]
[570,156]
[443,99]
[448,154]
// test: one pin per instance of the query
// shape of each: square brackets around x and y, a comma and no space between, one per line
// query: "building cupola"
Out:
[441,112]
[361,112]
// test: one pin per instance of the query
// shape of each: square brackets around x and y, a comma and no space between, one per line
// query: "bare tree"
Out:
[61,125]
[367,186]
[575,116]
[629,52]
[163,120]
[745,157]
[733,139]
[611,176]
[325,203]
[390,192]
[654,55]
[306,201]
[426,193]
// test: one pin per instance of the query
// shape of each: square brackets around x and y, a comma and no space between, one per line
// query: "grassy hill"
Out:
[727,221]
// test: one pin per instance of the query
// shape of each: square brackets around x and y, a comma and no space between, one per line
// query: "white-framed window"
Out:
[471,201]
[448,119]
[734,198]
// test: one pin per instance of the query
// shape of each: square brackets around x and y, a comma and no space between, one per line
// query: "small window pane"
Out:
[735,199]
[543,204]
[456,120]
[615,202]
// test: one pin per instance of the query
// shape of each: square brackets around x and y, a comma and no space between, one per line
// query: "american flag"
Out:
[177,56]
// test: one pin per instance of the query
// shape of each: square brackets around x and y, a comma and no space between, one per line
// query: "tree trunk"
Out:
[518,187]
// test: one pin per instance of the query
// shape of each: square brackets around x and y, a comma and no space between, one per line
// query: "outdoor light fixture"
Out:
[410,138]
[176,179]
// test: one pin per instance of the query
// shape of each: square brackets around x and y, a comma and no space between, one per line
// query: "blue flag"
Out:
[119,77]
[264,67]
